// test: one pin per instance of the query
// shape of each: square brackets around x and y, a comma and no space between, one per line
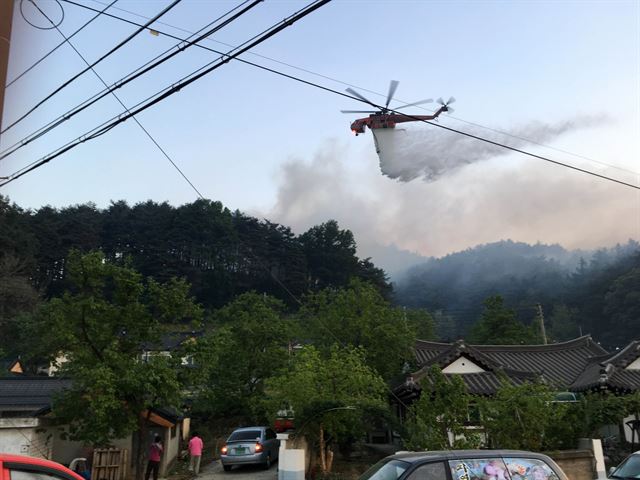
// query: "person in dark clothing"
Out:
[155,453]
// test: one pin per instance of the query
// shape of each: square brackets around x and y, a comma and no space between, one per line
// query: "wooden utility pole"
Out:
[542,330]
[6,17]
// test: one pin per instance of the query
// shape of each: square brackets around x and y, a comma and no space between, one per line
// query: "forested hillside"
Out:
[595,293]
[221,253]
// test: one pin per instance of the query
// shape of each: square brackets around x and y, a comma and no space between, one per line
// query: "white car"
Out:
[250,445]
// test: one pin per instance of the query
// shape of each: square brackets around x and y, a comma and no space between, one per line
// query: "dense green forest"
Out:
[223,254]
[580,292]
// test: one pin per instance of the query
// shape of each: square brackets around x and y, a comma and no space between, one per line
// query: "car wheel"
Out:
[267,462]
[227,468]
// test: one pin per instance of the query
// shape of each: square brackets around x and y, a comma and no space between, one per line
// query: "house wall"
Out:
[462,365]
[24,436]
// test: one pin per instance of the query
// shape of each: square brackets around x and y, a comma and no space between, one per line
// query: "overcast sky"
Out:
[565,74]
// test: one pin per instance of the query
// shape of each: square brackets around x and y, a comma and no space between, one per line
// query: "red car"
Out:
[18,467]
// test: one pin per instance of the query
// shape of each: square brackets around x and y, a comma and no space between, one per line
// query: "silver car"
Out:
[250,445]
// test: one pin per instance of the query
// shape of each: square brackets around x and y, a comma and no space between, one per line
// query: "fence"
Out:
[109,464]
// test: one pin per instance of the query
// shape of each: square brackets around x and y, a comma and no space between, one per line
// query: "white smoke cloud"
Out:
[500,198]
[407,153]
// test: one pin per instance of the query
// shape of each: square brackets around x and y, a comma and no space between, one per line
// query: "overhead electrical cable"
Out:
[106,55]
[155,142]
[326,77]
[171,90]
[150,65]
[105,127]
[59,45]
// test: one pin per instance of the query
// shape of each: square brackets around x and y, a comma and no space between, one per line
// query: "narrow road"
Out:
[214,471]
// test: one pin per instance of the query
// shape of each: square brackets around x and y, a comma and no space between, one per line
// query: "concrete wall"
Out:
[25,436]
[577,464]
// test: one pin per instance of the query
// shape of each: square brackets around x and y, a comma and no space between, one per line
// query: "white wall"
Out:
[23,436]
[462,365]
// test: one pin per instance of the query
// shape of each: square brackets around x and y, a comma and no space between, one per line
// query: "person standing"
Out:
[155,453]
[195,452]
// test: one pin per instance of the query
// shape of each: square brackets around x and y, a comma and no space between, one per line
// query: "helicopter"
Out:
[382,118]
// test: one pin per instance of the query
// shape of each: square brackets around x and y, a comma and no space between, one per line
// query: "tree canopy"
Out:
[97,331]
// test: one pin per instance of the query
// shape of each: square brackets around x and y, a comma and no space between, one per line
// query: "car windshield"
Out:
[385,470]
[244,435]
[630,468]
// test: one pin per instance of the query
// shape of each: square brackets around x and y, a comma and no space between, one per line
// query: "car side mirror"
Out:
[611,470]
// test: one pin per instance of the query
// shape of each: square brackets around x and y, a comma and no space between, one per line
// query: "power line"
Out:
[155,142]
[307,82]
[59,45]
[167,92]
[383,95]
[105,127]
[109,53]
[150,65]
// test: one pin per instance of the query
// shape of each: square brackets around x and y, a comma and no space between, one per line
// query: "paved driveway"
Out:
[214,471]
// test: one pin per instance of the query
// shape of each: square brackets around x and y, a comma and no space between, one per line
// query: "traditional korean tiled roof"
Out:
[559,364]
[611,372]
[29,394]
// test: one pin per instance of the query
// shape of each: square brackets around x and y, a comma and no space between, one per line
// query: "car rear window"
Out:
[386,470]
[244,435]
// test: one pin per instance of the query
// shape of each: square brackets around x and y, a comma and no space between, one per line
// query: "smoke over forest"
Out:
[430,152]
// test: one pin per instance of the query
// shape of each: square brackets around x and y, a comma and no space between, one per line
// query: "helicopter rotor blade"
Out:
[392,90]
[450,110]
[428,100]
[356,94]
[440,101]
[451,100]
[358,111]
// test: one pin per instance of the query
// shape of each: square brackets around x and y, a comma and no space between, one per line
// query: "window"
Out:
[386,470]
[36,473]
[529,469]
[478,469]
[174,431]
[430,471]
[245,435]
[630,468]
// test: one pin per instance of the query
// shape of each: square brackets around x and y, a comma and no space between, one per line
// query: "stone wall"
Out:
[577,464]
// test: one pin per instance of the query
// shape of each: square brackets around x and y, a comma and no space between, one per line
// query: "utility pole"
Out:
[6,17]
[542,330]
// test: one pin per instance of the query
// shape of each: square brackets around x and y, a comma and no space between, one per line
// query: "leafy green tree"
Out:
[437,420]
[332,393]
[101,325]
[563,323]
[622,303]
[519,416]
[332,260]
[498,325]
[251,339]
[360,317]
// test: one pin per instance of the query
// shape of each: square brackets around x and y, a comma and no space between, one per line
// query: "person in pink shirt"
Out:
[195,452]
[155,452]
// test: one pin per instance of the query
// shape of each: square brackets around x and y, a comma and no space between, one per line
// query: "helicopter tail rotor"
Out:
[446,104]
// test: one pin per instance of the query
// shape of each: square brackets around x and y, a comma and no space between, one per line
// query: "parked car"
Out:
[19,467]
[465,465]
[250,445]
[629,468]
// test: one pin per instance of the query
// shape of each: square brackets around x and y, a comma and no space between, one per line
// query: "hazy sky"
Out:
[562,73]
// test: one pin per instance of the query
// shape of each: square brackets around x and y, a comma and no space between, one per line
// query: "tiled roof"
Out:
[170,341]
[559,364]
[29,394]
[609,371]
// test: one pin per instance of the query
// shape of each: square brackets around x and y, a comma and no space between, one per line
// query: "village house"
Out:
[574,366]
